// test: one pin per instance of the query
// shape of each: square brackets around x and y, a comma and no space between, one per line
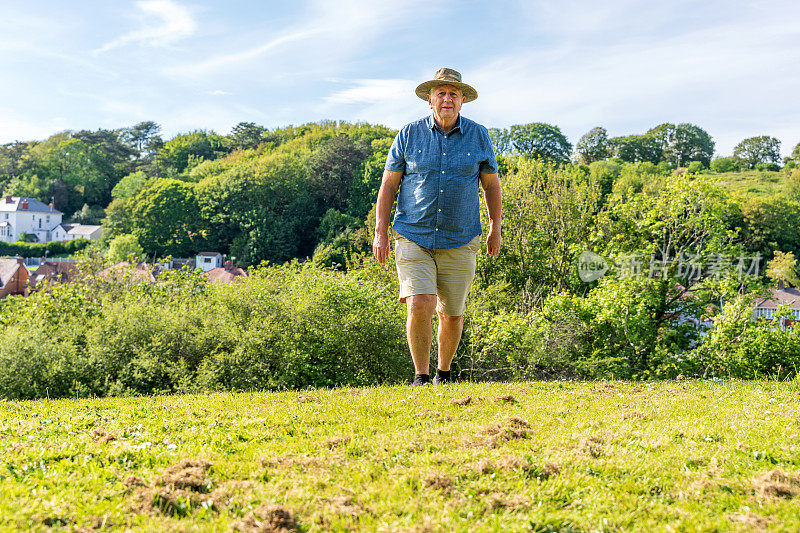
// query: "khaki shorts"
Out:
[446,273]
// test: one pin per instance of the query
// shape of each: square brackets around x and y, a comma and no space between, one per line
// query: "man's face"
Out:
[446,101]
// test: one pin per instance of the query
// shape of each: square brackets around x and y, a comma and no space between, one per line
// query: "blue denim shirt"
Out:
[438,203]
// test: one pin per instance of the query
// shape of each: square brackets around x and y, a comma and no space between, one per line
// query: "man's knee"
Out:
[421,305]
[450,320]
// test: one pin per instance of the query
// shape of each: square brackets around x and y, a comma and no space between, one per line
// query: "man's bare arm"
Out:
[386,194]
[494,205]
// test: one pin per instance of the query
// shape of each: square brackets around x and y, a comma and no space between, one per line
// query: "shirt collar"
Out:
[432,124]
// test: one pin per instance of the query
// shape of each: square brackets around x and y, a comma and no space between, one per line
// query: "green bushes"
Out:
[740,347]
[38,249]
[284,327]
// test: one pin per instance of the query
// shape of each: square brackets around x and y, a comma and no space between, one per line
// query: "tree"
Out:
[636,148]
[166,218]
[333,167]
[246,135]
[129,185]
[138,137]
[547,215]
[763,149]
[783,269]
[195,147]
[654,238]
[796,153]
[593,146]
[539,140]
[501,140]
[123,248]
[683,143]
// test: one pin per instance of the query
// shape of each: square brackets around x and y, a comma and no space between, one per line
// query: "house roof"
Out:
[789,296]
[60,271]
[224,275]
[209,254]
[83,229]
[117,271]
[66,227]
[34,205]
[8,267]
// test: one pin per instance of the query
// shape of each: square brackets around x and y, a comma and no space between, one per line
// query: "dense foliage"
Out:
[283,327]
[654,200]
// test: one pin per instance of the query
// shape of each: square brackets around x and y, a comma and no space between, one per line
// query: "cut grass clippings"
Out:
[542,456]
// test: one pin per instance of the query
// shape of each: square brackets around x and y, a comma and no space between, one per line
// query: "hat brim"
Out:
[424,89]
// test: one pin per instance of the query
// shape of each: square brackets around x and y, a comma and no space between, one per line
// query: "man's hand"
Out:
[493,241]
[380,247]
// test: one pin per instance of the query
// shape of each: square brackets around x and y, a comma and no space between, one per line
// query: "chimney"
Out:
[20,260]
[781,285]
[23,204]
[9,199]
[52,206]
[228,265]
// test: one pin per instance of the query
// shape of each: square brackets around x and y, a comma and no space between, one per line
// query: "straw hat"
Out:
[446,76]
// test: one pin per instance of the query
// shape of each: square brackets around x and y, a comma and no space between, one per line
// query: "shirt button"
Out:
[440,210]
[441,190]
[446,154]
[442,171]
[437,229]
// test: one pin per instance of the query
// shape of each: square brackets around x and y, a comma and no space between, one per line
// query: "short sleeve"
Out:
[396,160]
[489,164]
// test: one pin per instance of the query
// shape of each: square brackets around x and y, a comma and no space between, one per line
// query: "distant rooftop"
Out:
[15,203]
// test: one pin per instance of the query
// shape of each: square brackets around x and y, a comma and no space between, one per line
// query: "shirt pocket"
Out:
[417,162]
[466,163]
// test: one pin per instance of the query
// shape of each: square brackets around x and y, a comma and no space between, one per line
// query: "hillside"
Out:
[546,456]
[754,183]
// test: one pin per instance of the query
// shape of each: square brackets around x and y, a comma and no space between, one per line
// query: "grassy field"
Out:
[557,456]
[757,183]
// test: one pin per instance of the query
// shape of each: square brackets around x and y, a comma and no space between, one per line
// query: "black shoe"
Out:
[421,379]
[442,377]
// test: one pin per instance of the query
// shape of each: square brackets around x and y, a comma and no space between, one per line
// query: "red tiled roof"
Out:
[788,296]
[224,275]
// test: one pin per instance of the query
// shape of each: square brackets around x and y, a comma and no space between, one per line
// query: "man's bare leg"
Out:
[450,328]
[419,330]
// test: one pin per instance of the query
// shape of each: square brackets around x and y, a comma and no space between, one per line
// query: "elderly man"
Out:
[437,164]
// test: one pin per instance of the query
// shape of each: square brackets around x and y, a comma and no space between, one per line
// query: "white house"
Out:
[29,216]
[765,308]
[68,232]
[205,261]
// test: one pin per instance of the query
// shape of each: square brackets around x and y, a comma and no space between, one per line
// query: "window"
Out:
[206,259]
[40,223]
[765,313]
[48,219]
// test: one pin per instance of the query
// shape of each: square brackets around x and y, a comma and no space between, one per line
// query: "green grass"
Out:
[759,183]
[546,456]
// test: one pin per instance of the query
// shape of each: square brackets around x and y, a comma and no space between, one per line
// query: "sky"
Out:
[731,67]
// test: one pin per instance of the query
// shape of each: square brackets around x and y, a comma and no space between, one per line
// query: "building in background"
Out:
[14,276]
[765,308]
[205,261]
[69,232]
[28,216]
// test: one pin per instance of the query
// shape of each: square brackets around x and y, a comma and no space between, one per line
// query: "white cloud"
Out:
[329,32]
[720,76]
[386,91]
[219,93]
[162,22]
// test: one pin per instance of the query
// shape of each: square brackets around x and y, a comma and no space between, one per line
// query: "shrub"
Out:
[769,167]
[695,167]
[740,347]
[291,326]
[726,164]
